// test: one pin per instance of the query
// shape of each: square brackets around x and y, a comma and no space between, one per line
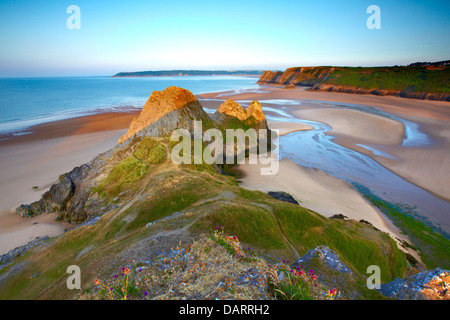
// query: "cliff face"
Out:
[301,76]
[418,82]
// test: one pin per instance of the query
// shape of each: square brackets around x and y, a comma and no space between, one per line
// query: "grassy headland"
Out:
[423,81]
[158,205]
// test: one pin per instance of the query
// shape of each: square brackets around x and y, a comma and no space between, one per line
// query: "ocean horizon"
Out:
[25,102]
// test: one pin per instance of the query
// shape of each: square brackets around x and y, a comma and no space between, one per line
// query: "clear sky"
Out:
[136,35]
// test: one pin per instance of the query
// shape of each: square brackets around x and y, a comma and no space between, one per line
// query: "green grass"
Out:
[157,155]
[356,244]
[151,151]
[124,173]
[145,147]
[255,225]
[406,79]
[403,79]
[434,248]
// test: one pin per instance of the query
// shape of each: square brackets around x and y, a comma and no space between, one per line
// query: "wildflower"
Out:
[96,281]
[115,276]
[284,261]
[217,228]
[127,271]
[122,274]
[314,277]
[145,293]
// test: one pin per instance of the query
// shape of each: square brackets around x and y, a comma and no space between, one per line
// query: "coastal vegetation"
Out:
[414,81]
[432,245]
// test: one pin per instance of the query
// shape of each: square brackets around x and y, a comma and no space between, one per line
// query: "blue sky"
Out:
[158,35]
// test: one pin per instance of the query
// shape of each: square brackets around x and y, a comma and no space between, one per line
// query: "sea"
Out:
[25,102]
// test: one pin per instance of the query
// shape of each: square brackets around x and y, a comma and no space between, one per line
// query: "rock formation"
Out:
[165,111]
[232,109]
[327,256]
[252,116]
[60,197]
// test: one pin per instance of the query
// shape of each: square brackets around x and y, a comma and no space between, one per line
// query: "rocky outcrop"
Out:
[252,116]
[60,197]
[282,196]
[232,109]
[165,111]
[326,256]
[426,285]
[173,108]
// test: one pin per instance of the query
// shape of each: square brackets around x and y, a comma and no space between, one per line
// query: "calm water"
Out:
[28,101]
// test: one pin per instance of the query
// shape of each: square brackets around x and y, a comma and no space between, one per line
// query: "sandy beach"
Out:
[37,160]
[425,166]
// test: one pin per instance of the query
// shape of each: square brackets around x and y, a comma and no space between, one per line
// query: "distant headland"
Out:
[172,73]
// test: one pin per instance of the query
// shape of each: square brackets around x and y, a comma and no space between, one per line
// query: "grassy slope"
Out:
[190,200]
